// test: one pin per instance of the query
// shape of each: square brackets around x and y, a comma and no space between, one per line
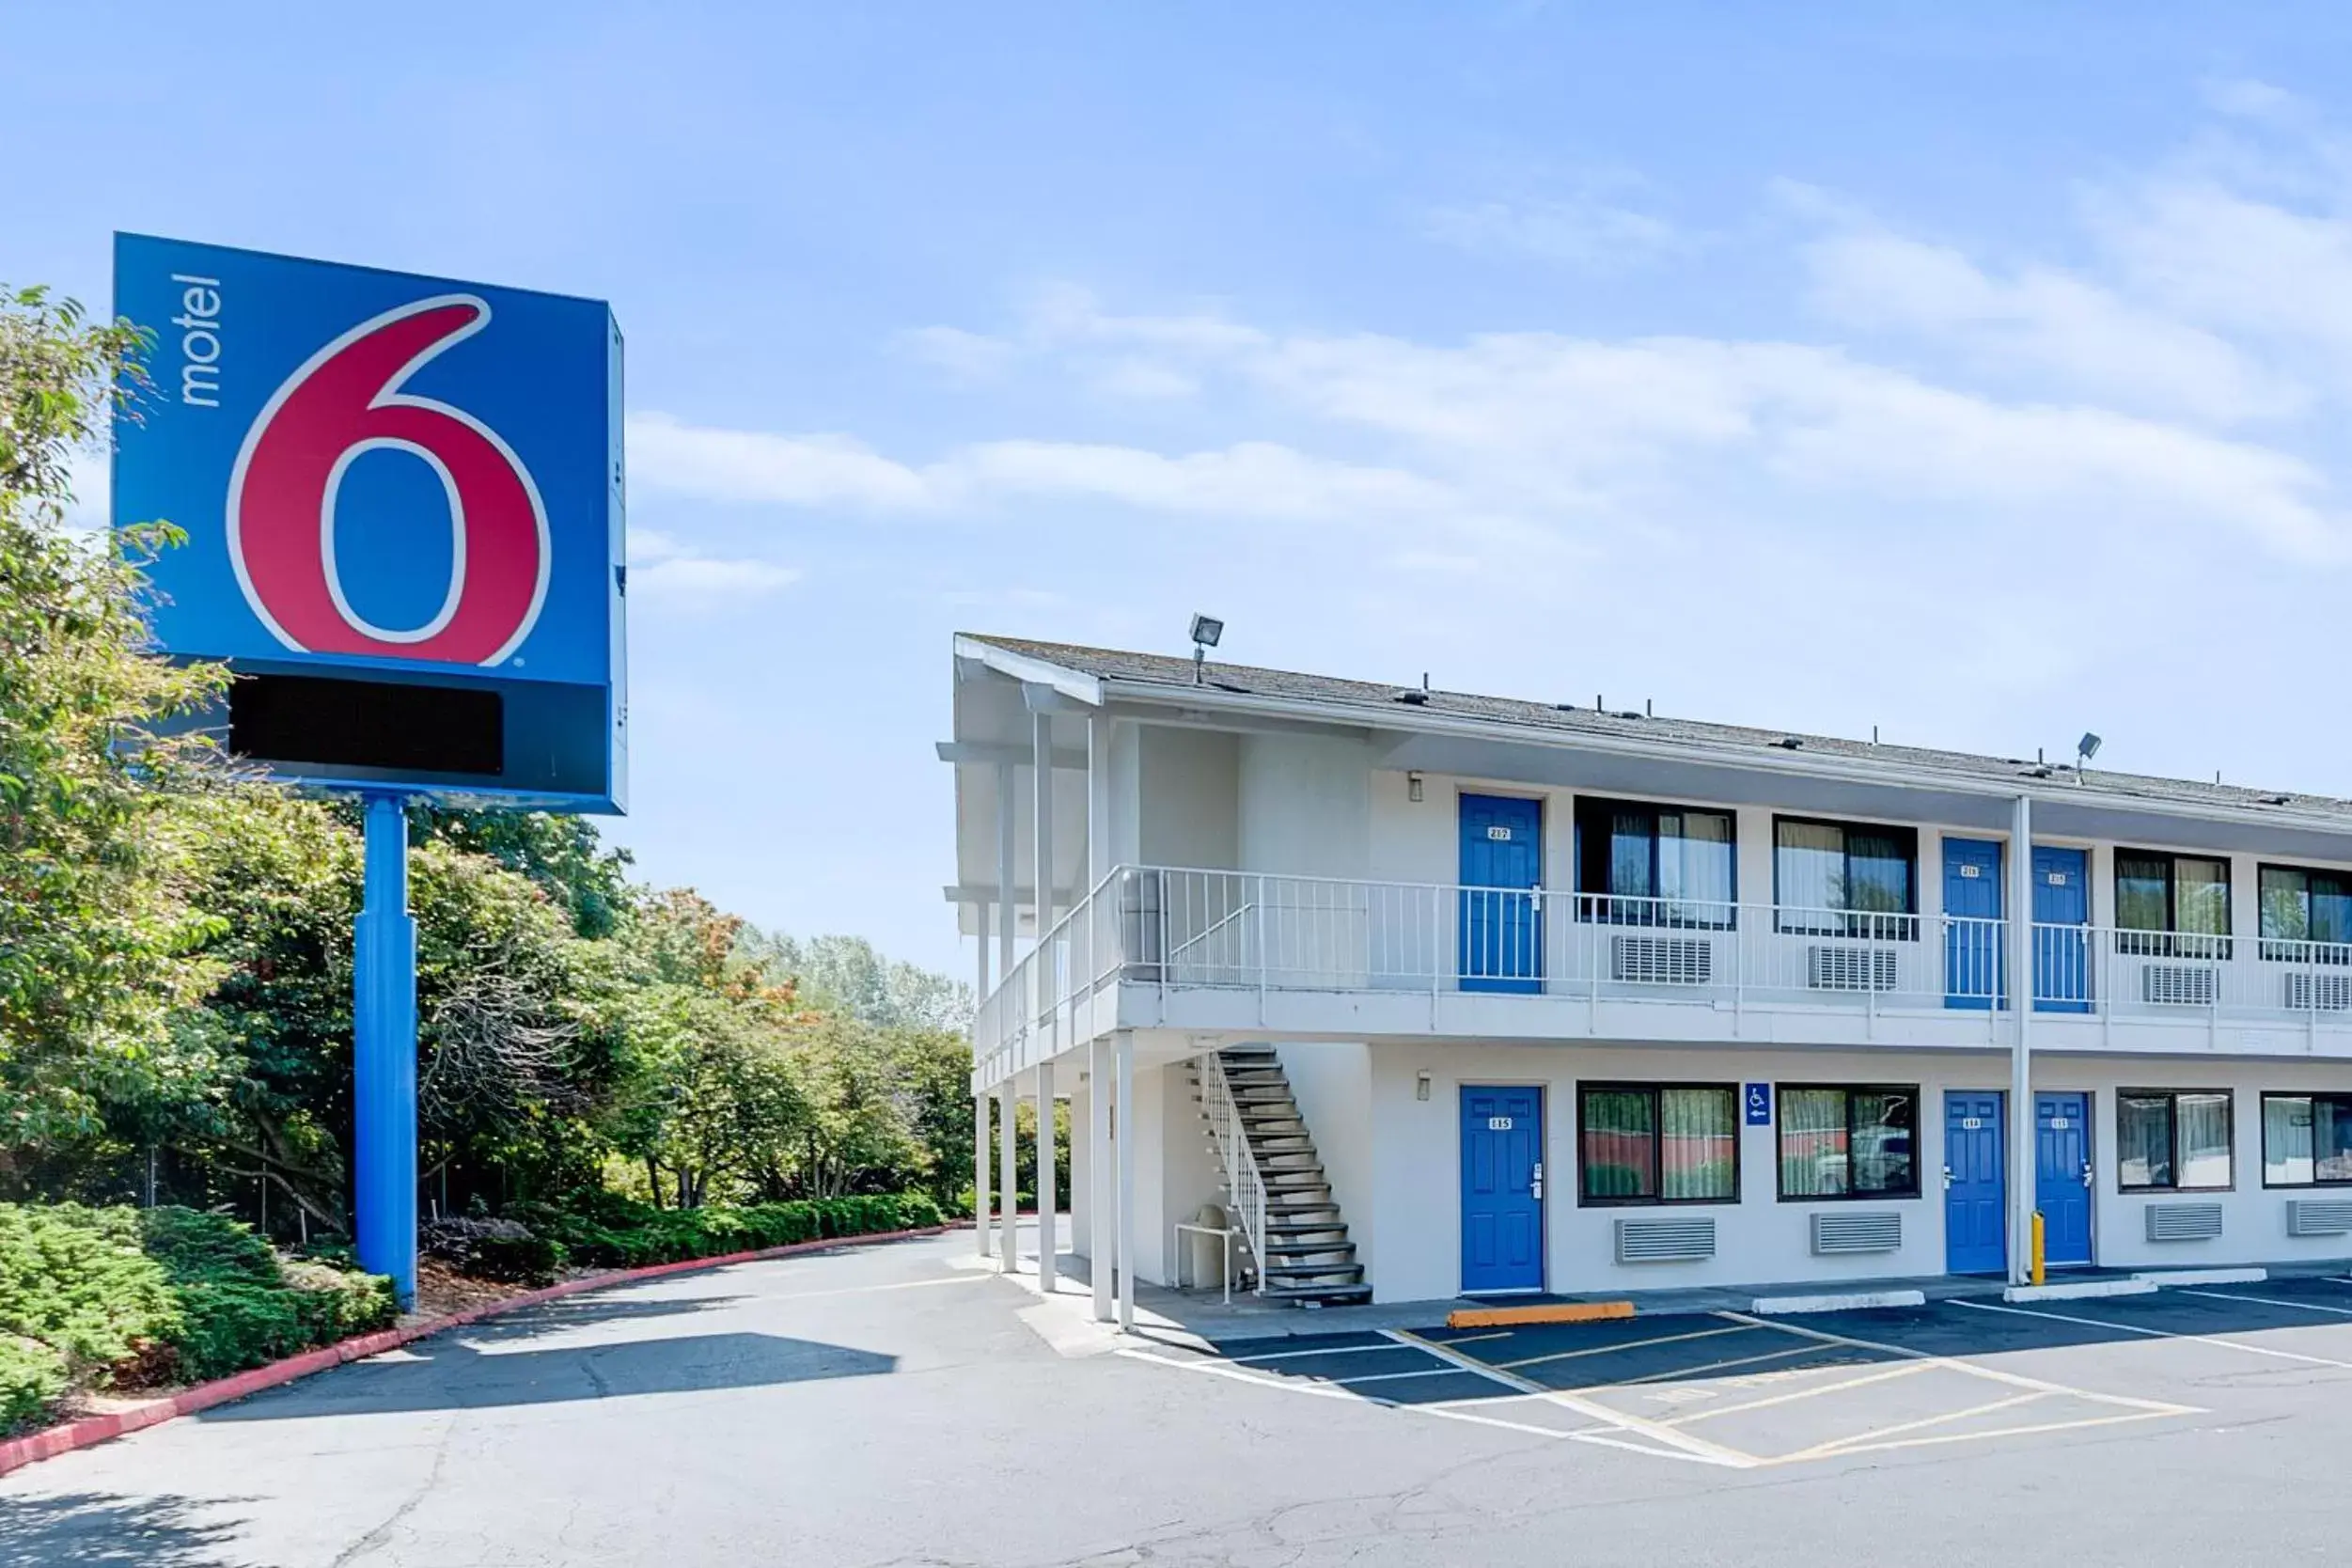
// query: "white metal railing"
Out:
[1175,928]
[1244,1187]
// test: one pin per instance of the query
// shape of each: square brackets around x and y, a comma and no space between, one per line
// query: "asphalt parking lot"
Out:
[1747,1392]
[896,1406]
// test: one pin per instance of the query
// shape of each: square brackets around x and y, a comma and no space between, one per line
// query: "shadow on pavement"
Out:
[579,1310]
[450,1375]
[96,1530]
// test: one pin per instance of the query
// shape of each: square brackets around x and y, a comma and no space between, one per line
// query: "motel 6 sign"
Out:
[403,505]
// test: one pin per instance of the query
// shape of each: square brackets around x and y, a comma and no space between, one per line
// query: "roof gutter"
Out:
[1857,770]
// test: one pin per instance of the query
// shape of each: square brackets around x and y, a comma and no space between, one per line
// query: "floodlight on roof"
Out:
[1206,630]
[2088,747]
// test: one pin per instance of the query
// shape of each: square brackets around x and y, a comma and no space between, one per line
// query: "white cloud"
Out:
[1585,231]
[749,466]
[2041,318]
[1258,480]
[2218,256]
[961,355]
[666,572]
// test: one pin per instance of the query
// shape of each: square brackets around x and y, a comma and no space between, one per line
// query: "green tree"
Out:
[95,928]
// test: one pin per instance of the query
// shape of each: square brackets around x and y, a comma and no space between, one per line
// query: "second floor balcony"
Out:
[1244,954]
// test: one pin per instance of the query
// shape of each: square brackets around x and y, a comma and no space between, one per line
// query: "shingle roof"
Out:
[1379,702]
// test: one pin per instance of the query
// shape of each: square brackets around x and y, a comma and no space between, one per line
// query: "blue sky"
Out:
[1982,378]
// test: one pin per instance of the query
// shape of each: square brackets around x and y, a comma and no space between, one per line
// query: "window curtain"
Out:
[2204,1139]
[2287,1139]
[1810,866]
[2143,1155]
[1699,1143]
[1813,1162]
[2201,904]
[1630,840]
[1882,1143]
[1619,1143]
[1695,867]
[2331,1139]
[2141,895]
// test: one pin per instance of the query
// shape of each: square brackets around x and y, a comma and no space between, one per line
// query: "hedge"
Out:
[100,1297]
[606,1231]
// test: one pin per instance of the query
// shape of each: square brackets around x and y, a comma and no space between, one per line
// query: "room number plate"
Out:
[1499,1123]
[1501,835]
[1970,1123]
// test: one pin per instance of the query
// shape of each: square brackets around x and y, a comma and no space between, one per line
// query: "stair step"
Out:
[1294,1254]
[1248,1053]
[1318,1295]
[1337,1273]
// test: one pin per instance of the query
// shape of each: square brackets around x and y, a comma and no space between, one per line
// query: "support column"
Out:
[1042,777]
[979,1171]
[1125,1132]
[980,1102]
[1102,1243]
[1047,1221]
[383,1054]
[1008,1182]
[1008,913]
[2021,1115]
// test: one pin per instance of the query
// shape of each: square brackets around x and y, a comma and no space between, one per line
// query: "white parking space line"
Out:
[1697,1449]
[1605,1349]
[2270,1301]
[1677,1374]
[1991,1375]
[2159,1334]
[1875,1438]
[1907,1369]
[1396,1378]
[1319,1389]
[1319,1350]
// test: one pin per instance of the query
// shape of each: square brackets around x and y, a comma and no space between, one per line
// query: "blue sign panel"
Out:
[402,497]
[1759,1098]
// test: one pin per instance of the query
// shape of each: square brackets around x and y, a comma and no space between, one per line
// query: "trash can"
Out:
[1208,1253]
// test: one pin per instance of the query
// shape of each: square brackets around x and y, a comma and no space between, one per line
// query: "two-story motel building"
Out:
[1447,995]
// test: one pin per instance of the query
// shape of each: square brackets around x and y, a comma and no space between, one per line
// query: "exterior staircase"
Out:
[1275,1185]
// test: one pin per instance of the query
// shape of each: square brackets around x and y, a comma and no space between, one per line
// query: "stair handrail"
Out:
[1244,1186]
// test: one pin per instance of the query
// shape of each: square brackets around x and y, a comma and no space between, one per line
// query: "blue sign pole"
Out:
[383,1054]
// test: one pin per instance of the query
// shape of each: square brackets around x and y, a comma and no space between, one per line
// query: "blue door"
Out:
[2062,938]
[1502,927]
[1502,1189]
[2062,1161]
[1972,959]
[1975,1206]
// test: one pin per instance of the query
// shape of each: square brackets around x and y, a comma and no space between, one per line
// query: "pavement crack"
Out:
[379,1537]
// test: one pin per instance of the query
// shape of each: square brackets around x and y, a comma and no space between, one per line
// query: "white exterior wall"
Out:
[1333,1086]
[1188,797]
[1413,1150]
[1174,1174]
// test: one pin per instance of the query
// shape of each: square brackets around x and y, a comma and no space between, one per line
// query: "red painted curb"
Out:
[90,1431]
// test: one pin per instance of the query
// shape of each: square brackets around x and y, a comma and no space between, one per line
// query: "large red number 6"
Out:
[347,400]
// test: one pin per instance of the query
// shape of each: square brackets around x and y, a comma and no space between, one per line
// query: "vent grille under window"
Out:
[1878,1231]
[2178,984]
[1665,1241]
[1850,969]
[2308,993]
[1662,960]
[2319,1217]
[2168,1222]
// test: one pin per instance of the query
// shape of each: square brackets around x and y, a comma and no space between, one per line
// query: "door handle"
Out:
[1535,1188]
[1947,1178]
[2088,1179]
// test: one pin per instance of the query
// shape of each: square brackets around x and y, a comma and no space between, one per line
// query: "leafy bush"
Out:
[93,1295]
[493,1249]
[77,1280]
[623,1233]
[32,1377]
